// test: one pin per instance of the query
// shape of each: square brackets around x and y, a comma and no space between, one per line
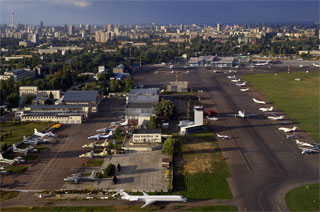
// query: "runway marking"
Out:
[279,208]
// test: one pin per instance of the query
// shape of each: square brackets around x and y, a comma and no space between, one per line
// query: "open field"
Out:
[213,208]
[299,100]
[17,131]
[304,198]
[200,169]
[85,208]
[5,195]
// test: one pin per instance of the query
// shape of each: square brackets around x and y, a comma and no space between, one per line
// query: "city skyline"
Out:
[57,12]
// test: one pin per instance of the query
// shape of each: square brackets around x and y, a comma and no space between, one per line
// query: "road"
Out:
[264,164]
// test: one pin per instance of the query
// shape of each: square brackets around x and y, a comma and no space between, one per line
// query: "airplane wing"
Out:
[148,202]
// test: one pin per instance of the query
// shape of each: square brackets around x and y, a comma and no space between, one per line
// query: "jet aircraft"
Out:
[40,134]
[16,160]
[258,101]
[76,178]
[300,143]
[264,109]
[223,136]
[34,141]
[241,84]
[24,151]
[101,136]
[150,199]
[285,129]
[275,117]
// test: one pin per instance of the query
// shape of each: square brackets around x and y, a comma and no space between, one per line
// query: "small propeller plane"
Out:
[240,84]
[285,129]
[275,118]
[223,136]
[24,151]
[101,136]
[299,143]
[40,134]
[258,101]
[76,178]
[264,109]
[16,160]
[34,141]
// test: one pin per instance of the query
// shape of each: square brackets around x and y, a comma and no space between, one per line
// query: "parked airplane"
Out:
[241,84]
[275,117]
[91,145]
[258,101]
[242,114]
[16,160]
[150,199]
[299,143]
[292,136]
[307,151]
[288,129]
[101,154]
[232,77]
[106,129]
[40,134]
[264,109]
[125,123]
[212,118]
[235,80]
[316,65]
[24,151]
[87,155]
[223,136]
[104,144]
[261,64]
[78,177]
[3,170]
[34,141]
[101,136]
[244,89]
[171,66]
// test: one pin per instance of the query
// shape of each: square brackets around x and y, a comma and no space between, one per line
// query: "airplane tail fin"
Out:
[1,157]
[294,128]
[14,147]
[24,138]
[35,130]
[110,133]
[93,174]
[271,108]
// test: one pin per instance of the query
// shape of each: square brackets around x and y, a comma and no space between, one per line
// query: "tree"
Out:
[128,83]
[28,99]
[117,132]
[165,109]
[171,146]
[118,167]
[110,170]
[114,179]
[13,100]
[51,95]
[152,124]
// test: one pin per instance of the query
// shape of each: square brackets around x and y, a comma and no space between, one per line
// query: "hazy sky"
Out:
[58,12]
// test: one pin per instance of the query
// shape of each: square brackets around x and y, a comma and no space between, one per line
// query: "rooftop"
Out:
[140,105]
[144,91]
[80,96]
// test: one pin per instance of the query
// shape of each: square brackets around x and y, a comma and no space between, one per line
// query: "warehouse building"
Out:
[87,98]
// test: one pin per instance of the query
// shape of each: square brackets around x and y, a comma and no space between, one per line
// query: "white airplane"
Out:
[125,123]
[150,199]
[223,136]
[244,89]
[106,129]
[24,151]
[241,84]
[87,155]
[284,129]
[316,65]
[264,109]
[242,114]
[299,143]
[236,80]
[171,66]
[104,144]
[78,177]
[261,64]
[34,141]
[101,136]
[212,118]
[16,160]
[231,77]
[275,117]
[292,136]
[258,101]
[40,134]
[3,170]
[101,154]
[307,151]
[91,145]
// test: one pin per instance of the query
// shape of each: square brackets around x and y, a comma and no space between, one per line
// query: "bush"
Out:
[110,170]
[171,146]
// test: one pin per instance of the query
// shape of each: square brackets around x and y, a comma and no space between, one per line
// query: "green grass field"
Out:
[94,162]
[299,100]
[205,172]
[304,198]
[84,208]
[5,195]
[16,169]
[213,208]
[17,131]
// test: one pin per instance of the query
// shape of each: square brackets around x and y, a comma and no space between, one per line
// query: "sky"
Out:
[59,12]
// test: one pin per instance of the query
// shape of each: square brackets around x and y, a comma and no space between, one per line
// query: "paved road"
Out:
[263,163]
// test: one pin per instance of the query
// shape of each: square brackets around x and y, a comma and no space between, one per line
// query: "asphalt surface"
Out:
[264,164]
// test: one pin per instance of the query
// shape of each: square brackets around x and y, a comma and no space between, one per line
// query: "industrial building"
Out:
[144,136]
[18,74]
[140,111]
[118,69]
[212,61]
[34,91]
[143,95]
[178,86]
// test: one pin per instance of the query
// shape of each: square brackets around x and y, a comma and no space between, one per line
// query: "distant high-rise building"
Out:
[70,30]
[87,28]
[35,38]
[41,24]
[12,17]
[219,26]
[269,29]
[110,28]
[116,31]
[101,36]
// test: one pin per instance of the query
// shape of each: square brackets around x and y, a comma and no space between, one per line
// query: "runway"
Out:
[264,164]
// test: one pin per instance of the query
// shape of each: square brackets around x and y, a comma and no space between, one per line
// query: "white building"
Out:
[142,136]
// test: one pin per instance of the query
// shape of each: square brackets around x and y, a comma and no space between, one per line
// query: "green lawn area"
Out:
[17,131]
[94,162]
[299,100]
[84,208]
[213,208]
[204,173]
[5,195]
[304,198]
[16,168]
